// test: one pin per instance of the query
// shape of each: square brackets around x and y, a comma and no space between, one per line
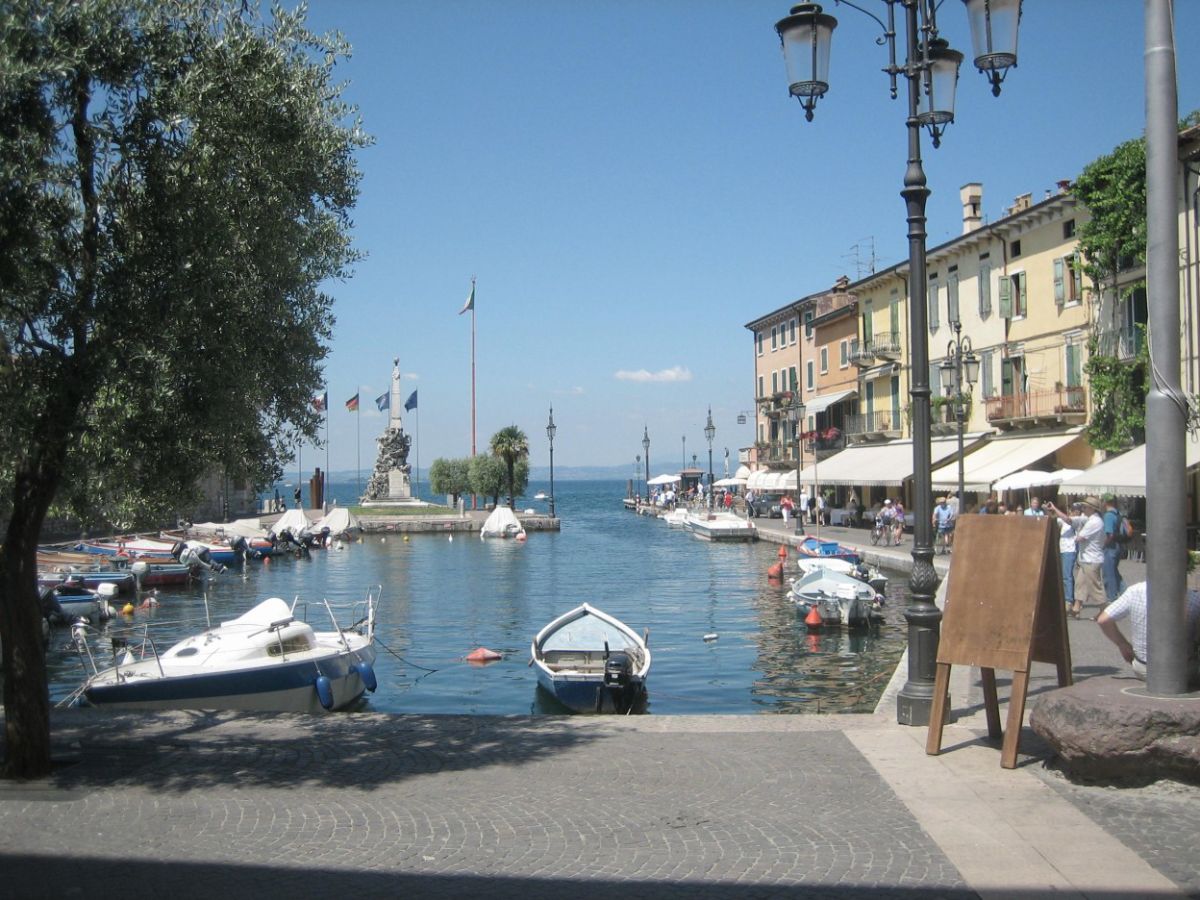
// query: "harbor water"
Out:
[725,639]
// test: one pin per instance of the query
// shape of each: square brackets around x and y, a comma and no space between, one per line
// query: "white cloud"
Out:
[673,374]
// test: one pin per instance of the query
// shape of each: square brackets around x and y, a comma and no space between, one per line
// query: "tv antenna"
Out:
[862,255]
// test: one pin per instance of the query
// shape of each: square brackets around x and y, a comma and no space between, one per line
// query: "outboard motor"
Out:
[618,688]
[241,547]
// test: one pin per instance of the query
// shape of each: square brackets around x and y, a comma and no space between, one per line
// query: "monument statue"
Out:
[391,480]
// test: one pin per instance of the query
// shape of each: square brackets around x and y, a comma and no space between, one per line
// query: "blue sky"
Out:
[630,183]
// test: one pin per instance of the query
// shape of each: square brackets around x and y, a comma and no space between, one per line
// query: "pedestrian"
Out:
[1132,605]
[785,507]
[297,496]
[1035,507]
[898,527]
[821,509]
[812,508]
[1067,550]
[1089,587]
[1114,584]
[728,501]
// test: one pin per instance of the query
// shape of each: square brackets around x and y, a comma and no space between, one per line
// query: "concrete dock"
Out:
[242,805]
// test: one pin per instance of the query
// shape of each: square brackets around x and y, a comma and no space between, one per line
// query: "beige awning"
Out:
[1000,457]
[888,465]
[1123,475]
[822,402]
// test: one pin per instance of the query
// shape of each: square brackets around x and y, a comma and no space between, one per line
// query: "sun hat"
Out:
[940,500]
[887,502]
[1093,502]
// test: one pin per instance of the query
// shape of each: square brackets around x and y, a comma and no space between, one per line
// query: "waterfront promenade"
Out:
[204,804]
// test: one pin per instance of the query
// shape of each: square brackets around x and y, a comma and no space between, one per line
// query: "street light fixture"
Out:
[646,451]
[930,70]
[960,364]
[710,432]
[551,429]
[795,414]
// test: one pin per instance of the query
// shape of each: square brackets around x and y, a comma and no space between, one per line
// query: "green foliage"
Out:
[451,477]
[489,476]
[1118,398]
[176,181]
[1113,188]
[510,445]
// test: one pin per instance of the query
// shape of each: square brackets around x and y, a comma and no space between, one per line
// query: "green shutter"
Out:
[1006,310]
[1077,274]
[1006,378]
[952,298]
[1060,288]
[985,290]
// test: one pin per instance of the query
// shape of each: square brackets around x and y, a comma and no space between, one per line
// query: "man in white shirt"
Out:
[1132,605]
[1089,586]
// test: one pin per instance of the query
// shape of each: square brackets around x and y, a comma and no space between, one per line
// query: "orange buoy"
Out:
[775,571]
[782,554]
[483,654]
[813,619]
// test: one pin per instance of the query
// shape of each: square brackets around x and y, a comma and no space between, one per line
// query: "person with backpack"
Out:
[1116,535]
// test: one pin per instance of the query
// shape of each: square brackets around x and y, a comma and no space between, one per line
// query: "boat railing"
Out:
[361,613]
[121,645]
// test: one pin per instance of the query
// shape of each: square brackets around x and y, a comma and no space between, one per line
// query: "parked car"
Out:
[766,506]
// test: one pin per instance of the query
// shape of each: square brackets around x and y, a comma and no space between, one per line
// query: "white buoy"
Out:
[383,540]
[450,538]
[711,636]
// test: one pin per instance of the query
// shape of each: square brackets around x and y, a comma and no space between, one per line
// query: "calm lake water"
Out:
[442,598]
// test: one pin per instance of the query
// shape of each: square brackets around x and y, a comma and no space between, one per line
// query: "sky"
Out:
[630,184]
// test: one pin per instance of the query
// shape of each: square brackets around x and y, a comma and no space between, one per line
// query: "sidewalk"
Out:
[730,807]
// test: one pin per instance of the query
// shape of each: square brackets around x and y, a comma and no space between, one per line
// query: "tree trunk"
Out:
[26,696]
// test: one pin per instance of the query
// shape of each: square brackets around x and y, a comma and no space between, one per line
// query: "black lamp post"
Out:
[795,414]
[637,470]
[931,70]
[710,432]
[551,428]
[646,451]
[960,364]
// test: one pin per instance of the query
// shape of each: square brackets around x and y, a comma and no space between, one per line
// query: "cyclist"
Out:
[943,520]
[898,527]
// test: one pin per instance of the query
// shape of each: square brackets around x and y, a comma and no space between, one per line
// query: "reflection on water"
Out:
[442,598]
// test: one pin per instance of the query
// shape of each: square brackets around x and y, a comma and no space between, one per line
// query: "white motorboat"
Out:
[830,599]
[541,495]
[676,518]
[872,576]
[591,661]
[266,659]
[720,526]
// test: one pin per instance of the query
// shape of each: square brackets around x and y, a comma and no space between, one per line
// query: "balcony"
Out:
[1062,406]
[1122,343]
[882,346]
[874,426]
[777,452]
[776,404]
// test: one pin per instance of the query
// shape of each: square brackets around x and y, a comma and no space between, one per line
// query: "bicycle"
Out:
[941,542]
[879,530]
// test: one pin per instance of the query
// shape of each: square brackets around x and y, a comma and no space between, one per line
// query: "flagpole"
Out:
[325,479]
[474,498]
[358,443]
[418,448]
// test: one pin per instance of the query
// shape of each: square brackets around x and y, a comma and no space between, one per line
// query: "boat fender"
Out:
[813,619]
[367,674]
[127,609]
[324,691]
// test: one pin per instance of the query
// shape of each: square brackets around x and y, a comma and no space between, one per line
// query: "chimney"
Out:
[1022,203]
[972,202]
[1064,186]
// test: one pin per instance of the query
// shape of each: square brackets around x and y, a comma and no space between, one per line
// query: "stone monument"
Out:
[391,481]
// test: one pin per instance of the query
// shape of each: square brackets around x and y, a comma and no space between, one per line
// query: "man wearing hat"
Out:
[1089,586]
[1067,548]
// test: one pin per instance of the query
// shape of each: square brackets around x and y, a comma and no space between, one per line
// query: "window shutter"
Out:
[952,298]
[985,290]
[1006,377]
[1072,365]
[933,307]
[1077,274]
[1060,288]
[1006,311]
[985,370]
[935,380]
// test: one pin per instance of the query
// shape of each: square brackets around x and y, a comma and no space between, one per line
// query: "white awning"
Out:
[1000,457]
[743,472]
[659,480]
[823,402]
[1030,478]
[888,465]
[1123,475]
[730,482]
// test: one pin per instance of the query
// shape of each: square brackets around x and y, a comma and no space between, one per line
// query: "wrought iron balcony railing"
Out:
[1038,404]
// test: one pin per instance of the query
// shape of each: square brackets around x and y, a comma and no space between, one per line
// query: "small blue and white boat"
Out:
[591,661]
[266,659]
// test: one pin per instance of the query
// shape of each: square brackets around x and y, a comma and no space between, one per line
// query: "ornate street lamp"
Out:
[551,428]
[930,69]
[637,471]
[646,452]
[710,432]
[961,364]
[795,414]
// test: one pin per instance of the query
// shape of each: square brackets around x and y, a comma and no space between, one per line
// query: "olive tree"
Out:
[175,188]
[451,477]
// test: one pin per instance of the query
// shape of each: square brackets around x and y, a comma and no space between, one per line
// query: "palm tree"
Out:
[510,445]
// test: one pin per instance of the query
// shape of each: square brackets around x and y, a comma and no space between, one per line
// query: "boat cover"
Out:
[503,522]
[293,520]
[338,520]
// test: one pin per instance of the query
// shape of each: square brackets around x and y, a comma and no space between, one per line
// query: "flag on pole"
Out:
[383,401]
[352,404]
[470,304]
[319,403]
[411,403]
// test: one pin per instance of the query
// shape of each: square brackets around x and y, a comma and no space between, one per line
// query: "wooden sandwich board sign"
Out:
[1004,610]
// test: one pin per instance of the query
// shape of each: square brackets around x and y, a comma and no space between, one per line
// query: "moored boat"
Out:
[591,661]
[720,526]
[819,549]
[833,599]
[502,522]
[265,659]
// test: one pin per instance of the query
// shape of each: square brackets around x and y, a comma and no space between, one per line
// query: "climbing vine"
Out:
[1118,396]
